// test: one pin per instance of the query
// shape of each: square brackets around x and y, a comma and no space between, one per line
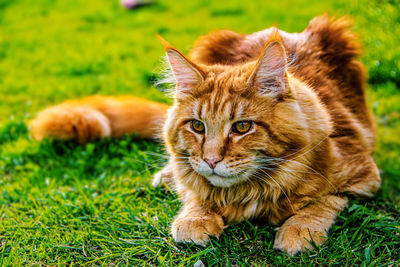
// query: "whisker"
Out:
[283,191]
[311,149]
[291,154]
[281,167]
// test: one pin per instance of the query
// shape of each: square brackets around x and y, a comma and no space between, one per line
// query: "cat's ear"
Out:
[187,75]
[269,74]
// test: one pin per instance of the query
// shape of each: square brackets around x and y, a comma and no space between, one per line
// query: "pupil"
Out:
[198,125]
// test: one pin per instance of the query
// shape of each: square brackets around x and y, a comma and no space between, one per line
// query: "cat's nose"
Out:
[212,161]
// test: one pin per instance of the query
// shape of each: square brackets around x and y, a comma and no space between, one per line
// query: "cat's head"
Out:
[229,121]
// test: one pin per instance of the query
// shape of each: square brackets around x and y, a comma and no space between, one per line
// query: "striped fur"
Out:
[311,141]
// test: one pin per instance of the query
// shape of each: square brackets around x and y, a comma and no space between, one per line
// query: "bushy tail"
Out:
[334,40]
[97,117]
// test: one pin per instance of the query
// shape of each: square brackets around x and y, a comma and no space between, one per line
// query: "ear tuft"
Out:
[186,74]
[164,42]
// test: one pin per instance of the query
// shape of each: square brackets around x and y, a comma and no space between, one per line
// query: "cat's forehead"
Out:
[222,100]
[219,106]
[223,96]
[227,80]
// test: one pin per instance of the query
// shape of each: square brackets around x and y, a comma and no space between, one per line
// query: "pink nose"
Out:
[212,161]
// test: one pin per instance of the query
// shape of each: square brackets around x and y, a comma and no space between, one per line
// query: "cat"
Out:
[271,126]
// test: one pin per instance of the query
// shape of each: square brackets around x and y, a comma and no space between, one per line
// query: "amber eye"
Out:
[198,126]
[241,127]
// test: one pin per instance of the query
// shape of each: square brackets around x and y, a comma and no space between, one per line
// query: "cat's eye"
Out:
[198,126]
[241,127]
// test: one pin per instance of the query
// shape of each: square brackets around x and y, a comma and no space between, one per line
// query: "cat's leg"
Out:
[195,223]
[365,178]
[164,176]
[310,224]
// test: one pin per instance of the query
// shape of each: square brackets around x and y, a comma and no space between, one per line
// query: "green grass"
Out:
[62,203]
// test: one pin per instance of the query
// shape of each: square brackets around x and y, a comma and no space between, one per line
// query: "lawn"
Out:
[66,204]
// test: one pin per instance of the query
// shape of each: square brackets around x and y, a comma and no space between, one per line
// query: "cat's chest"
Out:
[271,212]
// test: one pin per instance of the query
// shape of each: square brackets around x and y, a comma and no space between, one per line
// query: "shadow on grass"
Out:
[68,160]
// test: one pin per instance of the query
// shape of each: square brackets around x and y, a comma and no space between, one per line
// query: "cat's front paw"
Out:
[296,238]
[197,229]
[164,176]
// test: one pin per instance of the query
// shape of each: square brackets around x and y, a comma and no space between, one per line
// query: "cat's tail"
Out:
[97,117]
[337,44]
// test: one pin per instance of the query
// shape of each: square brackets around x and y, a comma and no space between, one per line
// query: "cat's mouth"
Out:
[221,176]
[227,181]
[227,176]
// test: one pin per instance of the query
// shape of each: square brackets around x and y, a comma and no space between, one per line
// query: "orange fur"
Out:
[311,138]
[95,117]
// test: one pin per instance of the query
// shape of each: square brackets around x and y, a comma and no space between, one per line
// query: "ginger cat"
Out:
[271,125]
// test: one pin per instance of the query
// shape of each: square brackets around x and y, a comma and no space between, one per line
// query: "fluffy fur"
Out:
[310,143]
[97,116]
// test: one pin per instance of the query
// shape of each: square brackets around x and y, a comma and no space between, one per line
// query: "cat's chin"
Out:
[220,181]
